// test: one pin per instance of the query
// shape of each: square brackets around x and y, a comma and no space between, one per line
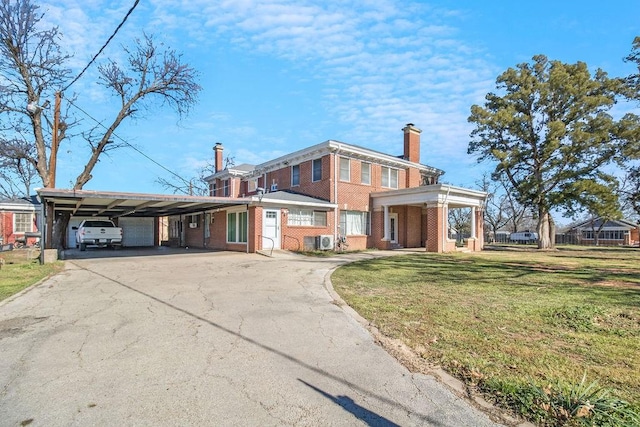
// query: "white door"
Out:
[271,229]
[136,231]
[393,227]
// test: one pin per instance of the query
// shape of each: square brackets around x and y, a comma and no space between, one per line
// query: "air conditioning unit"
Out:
[274,187]
[324,242]
[193,225]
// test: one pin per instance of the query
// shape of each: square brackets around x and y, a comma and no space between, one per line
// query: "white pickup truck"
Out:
[99,233]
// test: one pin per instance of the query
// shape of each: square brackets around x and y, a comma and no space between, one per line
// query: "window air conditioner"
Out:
[324,242]
[274,187]
[193,225]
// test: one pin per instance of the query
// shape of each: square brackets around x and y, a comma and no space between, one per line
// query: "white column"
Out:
[386,222]
[473,222]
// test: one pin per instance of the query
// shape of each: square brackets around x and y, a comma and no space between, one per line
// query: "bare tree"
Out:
[17,174]
[196,186]
[460,221]
[495,210]
[33,68]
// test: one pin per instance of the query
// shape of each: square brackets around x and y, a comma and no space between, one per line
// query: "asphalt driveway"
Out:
[203,339]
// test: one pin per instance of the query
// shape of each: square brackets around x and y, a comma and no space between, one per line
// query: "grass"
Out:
[517,325]
[22,269]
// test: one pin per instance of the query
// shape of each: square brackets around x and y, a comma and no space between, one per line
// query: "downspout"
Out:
[248,233]
[335,192]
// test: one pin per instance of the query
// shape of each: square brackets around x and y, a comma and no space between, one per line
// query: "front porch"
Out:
[418,218]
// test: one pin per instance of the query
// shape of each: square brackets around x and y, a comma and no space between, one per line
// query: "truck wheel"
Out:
[83,246]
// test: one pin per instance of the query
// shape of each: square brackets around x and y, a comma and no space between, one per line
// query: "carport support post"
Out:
[50,209]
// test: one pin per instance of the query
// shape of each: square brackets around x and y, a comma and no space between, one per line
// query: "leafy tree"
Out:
[631,191]
[548,130]
[32,68]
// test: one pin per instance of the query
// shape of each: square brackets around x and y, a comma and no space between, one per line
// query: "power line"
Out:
[131,146]
[104,45]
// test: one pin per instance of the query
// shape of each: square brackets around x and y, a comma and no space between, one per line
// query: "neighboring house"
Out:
[18,220]
[312,197]
[613,232]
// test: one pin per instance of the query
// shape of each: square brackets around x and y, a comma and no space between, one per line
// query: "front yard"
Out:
[523,326]
[21,269]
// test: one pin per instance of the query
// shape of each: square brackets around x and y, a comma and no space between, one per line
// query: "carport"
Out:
[117,205]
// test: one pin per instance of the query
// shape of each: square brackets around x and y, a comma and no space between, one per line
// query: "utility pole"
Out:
[53,158]
[54,141]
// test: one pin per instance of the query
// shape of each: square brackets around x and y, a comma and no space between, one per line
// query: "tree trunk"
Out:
[60,230]
[546,230]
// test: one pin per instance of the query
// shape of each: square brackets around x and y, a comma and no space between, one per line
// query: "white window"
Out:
[389,177]
[237,227]
[252,185]
[365,173]
[306,217]
[22,222]
[295,175]
[354,223]
[345,169]
[225,187]
[316,166]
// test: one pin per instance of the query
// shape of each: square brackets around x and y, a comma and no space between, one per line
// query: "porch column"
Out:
[385,220]
[473,222]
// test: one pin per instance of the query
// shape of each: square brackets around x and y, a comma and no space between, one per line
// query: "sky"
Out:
[278,76]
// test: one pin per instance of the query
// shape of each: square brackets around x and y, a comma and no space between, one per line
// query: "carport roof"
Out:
[116,204]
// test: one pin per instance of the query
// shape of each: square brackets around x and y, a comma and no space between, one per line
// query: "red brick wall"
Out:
[6,229]
[434,223]
[413,227]
[293,235]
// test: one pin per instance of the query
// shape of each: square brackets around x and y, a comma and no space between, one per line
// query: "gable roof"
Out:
[30,203]
[609,224]
[287,197]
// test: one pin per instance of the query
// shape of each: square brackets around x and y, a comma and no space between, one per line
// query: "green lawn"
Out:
[512,323]
[22,269]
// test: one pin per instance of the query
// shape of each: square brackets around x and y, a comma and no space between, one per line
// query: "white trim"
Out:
[331,146]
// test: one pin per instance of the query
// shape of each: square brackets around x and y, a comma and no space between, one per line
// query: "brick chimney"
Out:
[218,159]
[411,143]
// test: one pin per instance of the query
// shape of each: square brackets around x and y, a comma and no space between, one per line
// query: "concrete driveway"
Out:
[203,339]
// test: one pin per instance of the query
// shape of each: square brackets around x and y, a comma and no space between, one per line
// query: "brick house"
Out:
[18,220]
[613,232]
[332,191]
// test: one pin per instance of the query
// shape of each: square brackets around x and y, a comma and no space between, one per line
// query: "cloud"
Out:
[380,63]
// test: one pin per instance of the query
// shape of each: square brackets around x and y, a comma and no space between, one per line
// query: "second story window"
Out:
[345,169]
[295,175]
[389,177]
[212,189]
[317,170]
[226,188]
[365,173]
